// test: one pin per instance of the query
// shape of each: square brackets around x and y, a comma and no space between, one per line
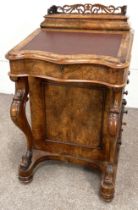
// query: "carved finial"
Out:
[87,9]
[52,10]
[124,10]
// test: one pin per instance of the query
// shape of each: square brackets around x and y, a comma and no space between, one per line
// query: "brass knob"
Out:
[124,102]
[128,81]
[125,112]
[125,92]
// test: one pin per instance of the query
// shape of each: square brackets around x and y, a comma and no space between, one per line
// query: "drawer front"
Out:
[87,73]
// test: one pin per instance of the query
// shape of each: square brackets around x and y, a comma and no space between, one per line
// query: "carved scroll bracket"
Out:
[113,122]
[15,107]
[19,118]
[113,119]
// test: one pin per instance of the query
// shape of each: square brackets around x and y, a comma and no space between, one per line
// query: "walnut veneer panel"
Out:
[74,114]
[79,73]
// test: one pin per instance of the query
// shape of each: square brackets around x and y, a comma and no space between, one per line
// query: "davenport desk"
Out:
[73,70]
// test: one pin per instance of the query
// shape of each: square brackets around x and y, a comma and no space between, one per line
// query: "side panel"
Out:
[74,114]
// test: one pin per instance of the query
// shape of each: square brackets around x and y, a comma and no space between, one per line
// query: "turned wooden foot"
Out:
[108,184]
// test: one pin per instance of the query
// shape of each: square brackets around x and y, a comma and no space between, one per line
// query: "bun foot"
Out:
[107,184]
[107,192]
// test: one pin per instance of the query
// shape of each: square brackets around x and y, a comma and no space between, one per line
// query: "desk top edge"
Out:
[119,62]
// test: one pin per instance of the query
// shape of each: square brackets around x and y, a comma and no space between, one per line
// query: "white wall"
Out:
[20,18]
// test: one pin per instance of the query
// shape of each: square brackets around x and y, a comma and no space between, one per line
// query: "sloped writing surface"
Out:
[71,43]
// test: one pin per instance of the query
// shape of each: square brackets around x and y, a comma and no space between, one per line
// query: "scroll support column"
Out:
[108,180]
[18,116]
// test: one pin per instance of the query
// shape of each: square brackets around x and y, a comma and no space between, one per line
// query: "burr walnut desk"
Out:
[73,69]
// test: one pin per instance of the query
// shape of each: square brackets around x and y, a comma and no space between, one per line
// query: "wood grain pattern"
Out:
[76,99]
[85,24]
[70,73]
[74,119]
[68,16]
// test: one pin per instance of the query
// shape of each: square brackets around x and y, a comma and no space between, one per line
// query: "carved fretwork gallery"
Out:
[73,70]
[87,9]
